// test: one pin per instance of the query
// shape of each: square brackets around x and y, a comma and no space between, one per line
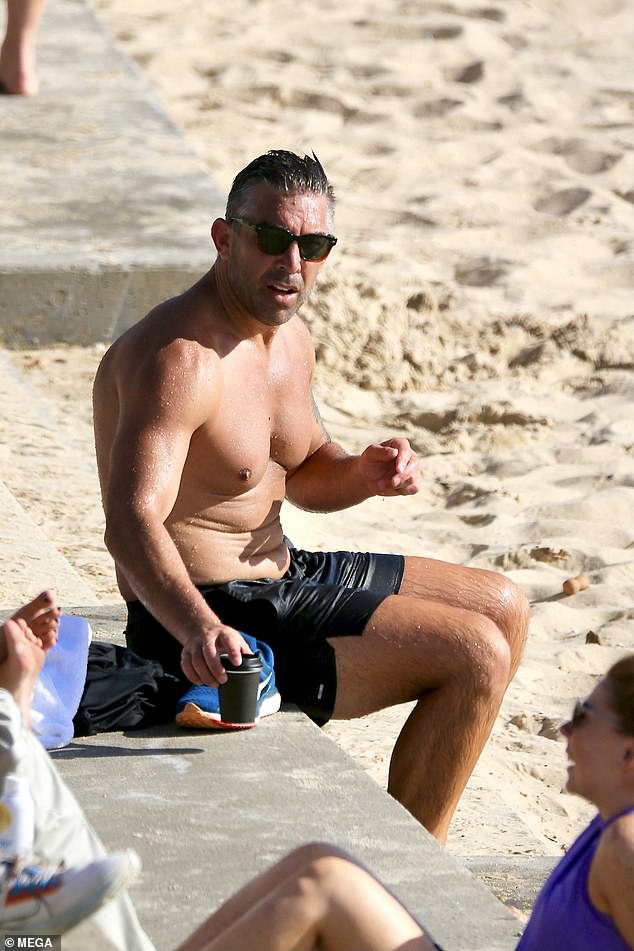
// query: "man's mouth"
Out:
[286,289]
[283,293]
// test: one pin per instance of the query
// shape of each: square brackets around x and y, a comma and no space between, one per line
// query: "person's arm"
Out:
[330,479]
[158,416]
[611,881]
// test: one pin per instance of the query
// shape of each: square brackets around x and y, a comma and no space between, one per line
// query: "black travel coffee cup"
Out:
[239,694]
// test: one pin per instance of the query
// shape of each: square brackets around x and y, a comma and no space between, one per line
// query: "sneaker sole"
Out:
[63,921]
[193,717]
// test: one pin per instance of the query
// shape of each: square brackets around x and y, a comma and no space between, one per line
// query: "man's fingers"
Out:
[200,658]
[211,658]
[195,666]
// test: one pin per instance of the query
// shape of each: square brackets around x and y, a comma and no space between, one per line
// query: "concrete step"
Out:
[208,811]
[104,208]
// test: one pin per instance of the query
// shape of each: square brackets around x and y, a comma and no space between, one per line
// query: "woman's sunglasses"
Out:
[274,240]
[583,708]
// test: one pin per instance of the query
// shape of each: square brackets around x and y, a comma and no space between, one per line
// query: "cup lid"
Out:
[249,662]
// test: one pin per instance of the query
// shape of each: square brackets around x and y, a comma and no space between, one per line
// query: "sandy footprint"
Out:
[579,156]
[435,108]
[471,73]
[591,161]
[562,202]
[480,272]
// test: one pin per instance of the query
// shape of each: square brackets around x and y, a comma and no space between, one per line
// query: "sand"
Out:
[479,302]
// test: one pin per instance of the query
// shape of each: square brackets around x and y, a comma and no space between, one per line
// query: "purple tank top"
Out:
[564,919]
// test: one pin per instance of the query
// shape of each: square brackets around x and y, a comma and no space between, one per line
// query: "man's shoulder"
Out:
[163,344]
[298,332]
[176,321]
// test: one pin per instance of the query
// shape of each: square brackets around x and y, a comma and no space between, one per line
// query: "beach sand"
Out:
[479,302]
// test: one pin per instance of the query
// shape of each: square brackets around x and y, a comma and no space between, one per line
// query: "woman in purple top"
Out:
[320,897]
[587,904]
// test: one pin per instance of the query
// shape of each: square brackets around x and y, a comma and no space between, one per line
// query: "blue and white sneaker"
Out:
[199,707]
[38,899]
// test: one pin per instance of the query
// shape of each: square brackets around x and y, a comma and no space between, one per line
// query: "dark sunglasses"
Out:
[274,240]
[583,708]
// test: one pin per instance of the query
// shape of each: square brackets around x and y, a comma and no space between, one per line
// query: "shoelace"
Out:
[28,881]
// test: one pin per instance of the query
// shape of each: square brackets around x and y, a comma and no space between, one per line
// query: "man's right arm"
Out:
[157,416]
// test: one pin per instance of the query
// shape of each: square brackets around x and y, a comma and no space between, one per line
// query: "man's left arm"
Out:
[330,479]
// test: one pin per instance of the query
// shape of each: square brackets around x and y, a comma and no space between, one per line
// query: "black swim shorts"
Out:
[322,595]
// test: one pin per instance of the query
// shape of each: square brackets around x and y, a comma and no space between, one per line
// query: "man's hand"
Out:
[391,468]
[200,657]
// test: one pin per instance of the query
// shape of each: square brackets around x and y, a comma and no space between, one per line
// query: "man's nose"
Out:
[291,258]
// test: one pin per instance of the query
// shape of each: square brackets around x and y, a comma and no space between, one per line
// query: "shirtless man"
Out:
[204,422]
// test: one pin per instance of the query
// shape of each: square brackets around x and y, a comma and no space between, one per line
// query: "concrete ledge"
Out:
[84,304]
[207,811]
[105,209]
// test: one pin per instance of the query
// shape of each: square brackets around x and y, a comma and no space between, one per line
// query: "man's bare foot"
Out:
[42,616]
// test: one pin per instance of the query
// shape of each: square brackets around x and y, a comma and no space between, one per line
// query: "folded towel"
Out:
[60,685]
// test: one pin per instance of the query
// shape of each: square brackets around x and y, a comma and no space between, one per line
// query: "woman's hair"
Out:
[286,172]
[619,681]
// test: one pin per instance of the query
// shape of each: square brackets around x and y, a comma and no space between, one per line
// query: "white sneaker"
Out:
[43,899]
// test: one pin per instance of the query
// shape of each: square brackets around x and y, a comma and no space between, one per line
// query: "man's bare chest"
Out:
[252,426]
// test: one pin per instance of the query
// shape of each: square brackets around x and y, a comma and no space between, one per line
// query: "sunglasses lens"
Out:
[312,247]
[273,240]
[315,247]
[578,715]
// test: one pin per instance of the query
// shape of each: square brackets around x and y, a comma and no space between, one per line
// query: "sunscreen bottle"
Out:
[17,819]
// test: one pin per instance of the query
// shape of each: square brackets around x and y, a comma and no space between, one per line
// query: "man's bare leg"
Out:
[451,639]
[474,589]
[18,72]
[317,896]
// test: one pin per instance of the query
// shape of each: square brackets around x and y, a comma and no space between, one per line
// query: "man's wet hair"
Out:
[284,171]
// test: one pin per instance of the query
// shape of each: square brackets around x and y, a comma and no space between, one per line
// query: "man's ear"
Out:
[220,233]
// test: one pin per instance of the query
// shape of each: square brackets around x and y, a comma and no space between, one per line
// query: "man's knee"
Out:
[484,660]
[513,610]
[515,603]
